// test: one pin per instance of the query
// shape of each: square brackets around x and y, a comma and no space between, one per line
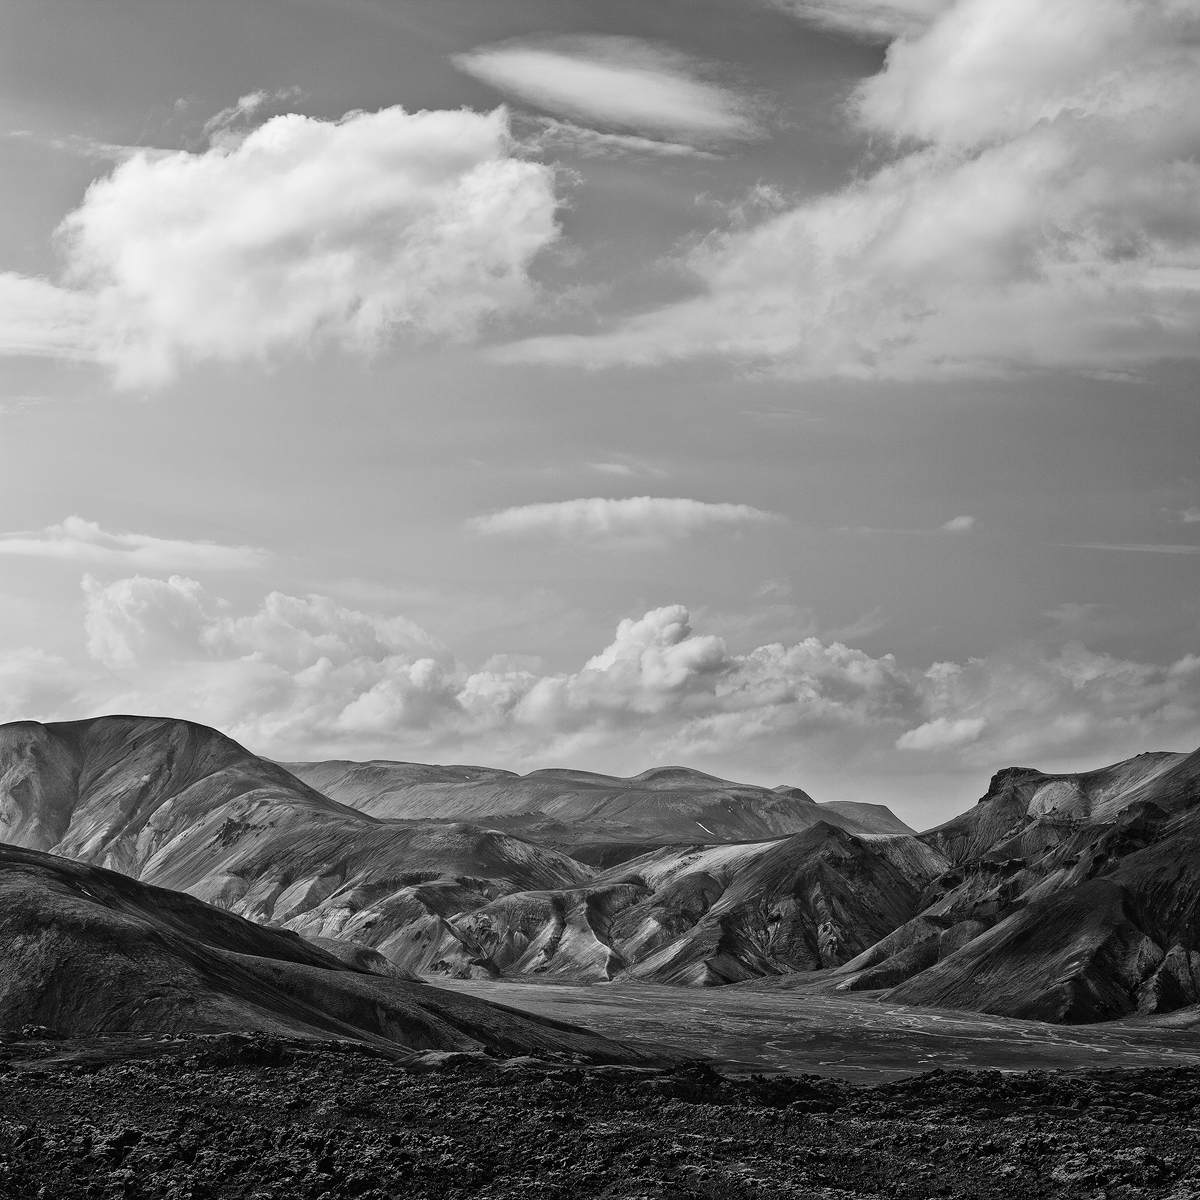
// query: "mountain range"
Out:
[1059,897]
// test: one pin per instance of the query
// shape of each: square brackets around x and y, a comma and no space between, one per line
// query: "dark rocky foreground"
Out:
[255,1116]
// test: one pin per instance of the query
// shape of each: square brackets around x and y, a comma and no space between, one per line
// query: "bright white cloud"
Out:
[637,520]
[307,677]
[614,82]
[958,524]
[1043,212]
[300,233]
[139,619]
[78,541]
[941,733]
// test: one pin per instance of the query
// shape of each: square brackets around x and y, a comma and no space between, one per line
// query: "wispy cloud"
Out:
[958,524]
[1189,516]
[1147,547]
[616,83]
[627,467]
[876,20]
[78,541]
[552,135]
[637,520]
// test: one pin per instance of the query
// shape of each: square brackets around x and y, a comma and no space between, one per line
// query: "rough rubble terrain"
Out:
[199,1117]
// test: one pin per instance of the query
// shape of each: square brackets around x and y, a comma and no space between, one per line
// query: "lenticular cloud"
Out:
[1041,209]
[301,232]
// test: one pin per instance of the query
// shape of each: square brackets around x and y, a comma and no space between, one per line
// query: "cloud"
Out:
[1039,209]
[1023,707]
[33,682]
[556,136]
[638,520]
[78,541]
[142,619]
[941,733]
[614,82]
[300,233]
[876,20]
[135,619]
[308,677]
[1189,516]
[249,110]
[958,524]
[1145,548]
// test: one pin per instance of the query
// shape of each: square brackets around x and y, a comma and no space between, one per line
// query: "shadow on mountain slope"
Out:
[84,950]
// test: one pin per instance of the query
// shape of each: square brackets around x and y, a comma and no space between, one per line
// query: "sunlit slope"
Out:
[695,915]
[573,807]
[1071,898]
[85,950]
[181,806]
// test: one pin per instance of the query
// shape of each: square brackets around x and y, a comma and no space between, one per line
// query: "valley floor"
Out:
[797,1025]
[209,1118]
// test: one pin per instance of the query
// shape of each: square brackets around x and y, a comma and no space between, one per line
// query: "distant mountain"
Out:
[181,806]
[1069,898]
[571,808]
[84,950]
[704,915]
[1059,897]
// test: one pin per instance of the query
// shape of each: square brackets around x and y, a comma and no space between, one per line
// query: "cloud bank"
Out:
[638,520]
[78,541]
[308,677]
[1041,210]
[297,234]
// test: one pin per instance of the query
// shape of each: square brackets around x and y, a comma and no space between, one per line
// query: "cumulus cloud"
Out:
[1026,708]
[298,233]
[616,83]
[308,677]
[78,541]
[958,524]
[1041,209]
[136,619]
[635,521]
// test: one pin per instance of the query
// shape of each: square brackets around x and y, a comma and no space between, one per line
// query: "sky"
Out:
[800,391]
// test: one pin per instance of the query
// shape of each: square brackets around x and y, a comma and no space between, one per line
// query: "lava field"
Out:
[200,1117]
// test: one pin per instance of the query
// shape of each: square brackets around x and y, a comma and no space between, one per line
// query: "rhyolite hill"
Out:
[88,951]
[1058,897]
